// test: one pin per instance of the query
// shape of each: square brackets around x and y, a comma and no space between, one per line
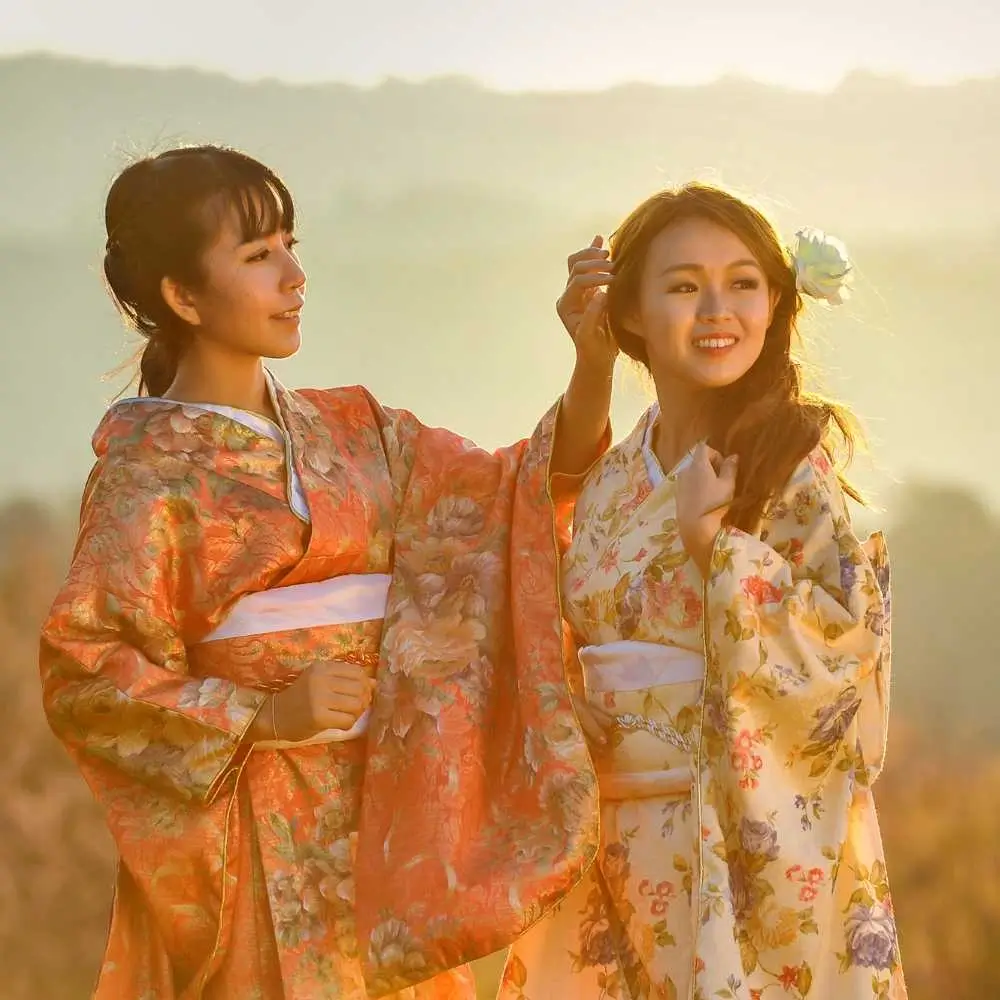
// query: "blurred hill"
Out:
[437,217]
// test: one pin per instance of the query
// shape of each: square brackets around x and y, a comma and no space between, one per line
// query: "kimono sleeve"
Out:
[796,631]
[401,431]
[115,681]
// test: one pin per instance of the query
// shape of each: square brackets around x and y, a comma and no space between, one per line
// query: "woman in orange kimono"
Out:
[733,635]
[251,561]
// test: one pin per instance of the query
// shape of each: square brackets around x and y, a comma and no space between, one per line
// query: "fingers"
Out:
[341,687]
[581,283]
[714,457]
[342,676]
[344,704]
[589,722]
[702,454]
[591,265]
[603,718]
[728,471]
[579,292]
[341,668]
[595,252]
[593,315]
[336,720]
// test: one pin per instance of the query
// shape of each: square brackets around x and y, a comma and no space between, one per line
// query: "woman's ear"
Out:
[181,301]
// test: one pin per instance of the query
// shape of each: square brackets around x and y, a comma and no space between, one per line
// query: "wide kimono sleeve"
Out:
[795,619]
[479,806]
[793,723]
[115,680]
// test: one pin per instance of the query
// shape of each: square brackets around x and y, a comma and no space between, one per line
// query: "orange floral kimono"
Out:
[215,561]
[741,857]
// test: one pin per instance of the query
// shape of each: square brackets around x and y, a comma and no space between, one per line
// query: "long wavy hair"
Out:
[766,417]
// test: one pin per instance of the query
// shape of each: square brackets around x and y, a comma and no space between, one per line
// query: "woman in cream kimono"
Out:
[251,562]
[733,638]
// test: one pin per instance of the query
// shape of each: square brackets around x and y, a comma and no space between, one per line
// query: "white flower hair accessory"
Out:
[822,268]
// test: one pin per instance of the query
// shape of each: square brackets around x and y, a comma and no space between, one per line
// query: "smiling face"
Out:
[703,305]
[250,296]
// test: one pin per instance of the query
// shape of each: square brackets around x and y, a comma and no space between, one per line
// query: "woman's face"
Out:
[251,295]
[704,305]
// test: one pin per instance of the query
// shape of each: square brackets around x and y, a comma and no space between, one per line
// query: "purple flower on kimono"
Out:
[598,947]
[759,837]
[875,618]
[848,574]
[715,713]
[871,937]
[614,860]
[833,720]
[883,576]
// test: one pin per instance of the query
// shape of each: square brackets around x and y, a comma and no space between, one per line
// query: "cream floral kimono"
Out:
[741,854]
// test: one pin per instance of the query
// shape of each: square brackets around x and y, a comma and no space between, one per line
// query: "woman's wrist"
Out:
[265,725]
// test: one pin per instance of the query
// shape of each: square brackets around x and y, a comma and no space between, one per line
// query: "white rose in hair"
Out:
[822,267]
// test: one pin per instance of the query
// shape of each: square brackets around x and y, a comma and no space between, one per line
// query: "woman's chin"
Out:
[718,374]
[278,352]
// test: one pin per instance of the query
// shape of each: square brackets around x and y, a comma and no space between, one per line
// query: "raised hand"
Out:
[589,269]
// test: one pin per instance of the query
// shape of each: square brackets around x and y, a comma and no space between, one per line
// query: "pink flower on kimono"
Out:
[609,560]
[743,758]
[813,879]
[821,462]
[789,977]
[680,605]
[795,551]
[760,591]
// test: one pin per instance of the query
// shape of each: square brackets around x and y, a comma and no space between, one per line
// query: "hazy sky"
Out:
[525,44]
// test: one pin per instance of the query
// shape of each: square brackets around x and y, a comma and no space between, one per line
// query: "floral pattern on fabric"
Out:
[767,872]
[262,874]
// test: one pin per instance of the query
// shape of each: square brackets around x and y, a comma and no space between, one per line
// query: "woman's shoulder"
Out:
[621,459]
[338,401]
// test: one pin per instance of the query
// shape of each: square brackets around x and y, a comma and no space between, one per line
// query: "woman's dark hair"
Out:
[766,417]
[161,214]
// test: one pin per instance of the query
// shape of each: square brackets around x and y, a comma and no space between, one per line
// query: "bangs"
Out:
[263,209]
[260,201]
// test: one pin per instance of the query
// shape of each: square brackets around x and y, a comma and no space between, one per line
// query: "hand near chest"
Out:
[705,489]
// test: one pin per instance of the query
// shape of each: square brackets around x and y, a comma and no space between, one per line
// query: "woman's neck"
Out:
[239,382]
[680,424]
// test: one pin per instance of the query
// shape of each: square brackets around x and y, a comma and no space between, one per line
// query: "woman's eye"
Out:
[748,284]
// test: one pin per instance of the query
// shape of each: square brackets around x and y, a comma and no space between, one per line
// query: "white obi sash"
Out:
[634,769]
[340,601]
